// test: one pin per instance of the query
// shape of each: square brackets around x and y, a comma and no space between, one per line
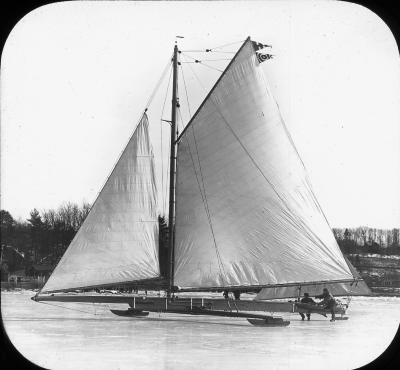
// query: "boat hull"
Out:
[158,304]
[130,312]
[194,306]
[142,305]
[276,321]
[163,304]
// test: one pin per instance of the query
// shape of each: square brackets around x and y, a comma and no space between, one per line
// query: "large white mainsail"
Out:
[118,241]
[246,214]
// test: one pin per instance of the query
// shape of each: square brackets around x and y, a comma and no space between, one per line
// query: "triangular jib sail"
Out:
[246,214]
[118,241]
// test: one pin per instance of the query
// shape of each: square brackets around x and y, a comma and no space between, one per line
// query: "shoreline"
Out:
[376,292]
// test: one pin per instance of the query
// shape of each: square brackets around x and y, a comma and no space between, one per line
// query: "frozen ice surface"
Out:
[55,337]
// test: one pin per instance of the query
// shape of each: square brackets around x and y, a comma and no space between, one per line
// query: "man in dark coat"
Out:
[328,302]
[309,300]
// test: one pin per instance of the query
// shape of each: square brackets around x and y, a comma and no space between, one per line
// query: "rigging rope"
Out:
[120,155]
[215,60]
[158,84]
[204,198]
[208,51]
[203,191]
[162,156]
[201,62]
[179,113]
[208,60]
[167,175]
[232,43]
[180,117]
[217,47]
[225,52]
[187,96]
[205,204]
[216,69]
[198,80]
[222,270]
[67,308]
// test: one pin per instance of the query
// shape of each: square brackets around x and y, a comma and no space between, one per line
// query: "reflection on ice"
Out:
[59,338]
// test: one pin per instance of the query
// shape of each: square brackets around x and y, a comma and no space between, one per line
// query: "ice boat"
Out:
[242,213]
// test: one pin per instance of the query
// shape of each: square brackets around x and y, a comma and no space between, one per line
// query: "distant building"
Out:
[42,270]
[16,276]
[391,280]
[4,270]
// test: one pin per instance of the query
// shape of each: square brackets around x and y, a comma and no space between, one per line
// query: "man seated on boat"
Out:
[236,294]
[328,302]
[309,300]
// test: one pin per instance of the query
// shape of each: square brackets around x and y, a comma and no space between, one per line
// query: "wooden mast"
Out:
[172,171]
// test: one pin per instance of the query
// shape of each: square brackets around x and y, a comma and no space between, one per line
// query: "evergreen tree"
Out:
[36,227]
[7,227]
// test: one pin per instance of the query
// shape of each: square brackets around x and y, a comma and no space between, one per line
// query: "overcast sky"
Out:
[76,76]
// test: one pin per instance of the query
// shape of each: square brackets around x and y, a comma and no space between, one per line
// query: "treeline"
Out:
[368,240]
[43,237]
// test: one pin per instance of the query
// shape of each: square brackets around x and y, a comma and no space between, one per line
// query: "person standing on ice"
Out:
[328,302]
[309,300]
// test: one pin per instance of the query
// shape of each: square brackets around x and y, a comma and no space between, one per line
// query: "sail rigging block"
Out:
[246,214]
[118,241]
